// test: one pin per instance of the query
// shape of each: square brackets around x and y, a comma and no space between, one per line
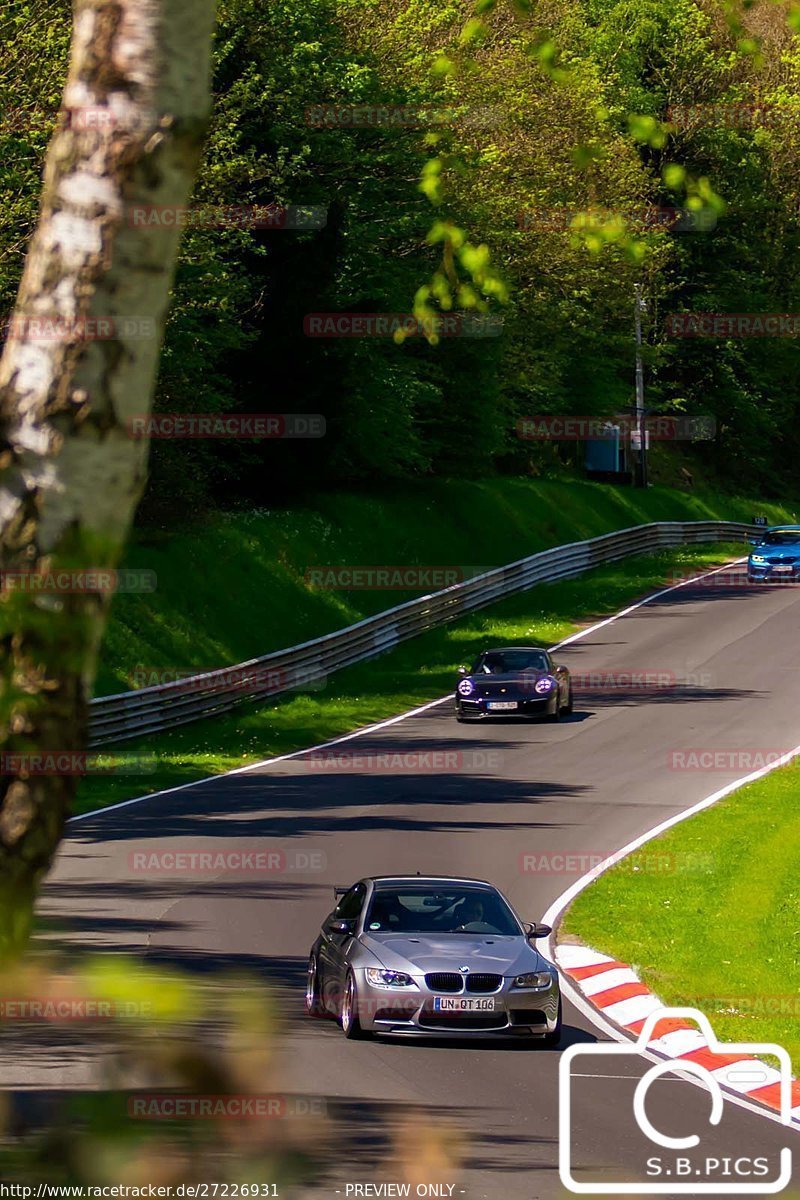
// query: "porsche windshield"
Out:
[440,910]
[506,662]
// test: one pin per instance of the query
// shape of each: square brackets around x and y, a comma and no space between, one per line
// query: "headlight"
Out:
[538,979]
[545,684]
[759,558]
[377,977]
[466,687]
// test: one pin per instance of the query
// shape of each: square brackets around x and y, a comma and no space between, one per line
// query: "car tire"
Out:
[348,1008]
[314,1004]
[569,707]
[555,716]
[553,1039]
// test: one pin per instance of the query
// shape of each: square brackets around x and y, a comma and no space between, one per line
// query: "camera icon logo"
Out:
[682,1164]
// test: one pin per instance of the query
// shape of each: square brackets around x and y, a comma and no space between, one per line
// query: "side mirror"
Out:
[535,930]
[463,671]
[754,541]
[346,927]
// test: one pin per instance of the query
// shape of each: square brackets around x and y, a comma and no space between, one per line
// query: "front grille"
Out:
[497,1020]
[482,984]
[444,981]
[781,562]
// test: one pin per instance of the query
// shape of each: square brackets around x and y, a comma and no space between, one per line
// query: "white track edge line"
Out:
[413,712]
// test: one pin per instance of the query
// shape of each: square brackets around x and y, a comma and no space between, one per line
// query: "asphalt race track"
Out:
[584,787]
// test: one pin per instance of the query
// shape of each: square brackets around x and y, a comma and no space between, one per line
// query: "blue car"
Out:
[775,557]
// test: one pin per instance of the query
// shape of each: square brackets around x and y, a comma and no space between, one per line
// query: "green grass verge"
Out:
[234,587]
[420,670]
[722,934]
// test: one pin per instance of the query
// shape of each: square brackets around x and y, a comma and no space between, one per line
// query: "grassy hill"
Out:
[235,587]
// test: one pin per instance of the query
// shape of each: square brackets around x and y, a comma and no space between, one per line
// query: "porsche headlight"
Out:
[378,977]
[757,558]
[466,687]
[545,684]
[536,979]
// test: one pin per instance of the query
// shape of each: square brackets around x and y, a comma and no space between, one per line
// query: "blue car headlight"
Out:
[378,977]
[545,685]
[466,687]
[757,558]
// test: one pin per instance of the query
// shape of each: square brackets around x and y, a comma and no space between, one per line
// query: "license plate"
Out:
[504,704]
[783,569]
[463,1004]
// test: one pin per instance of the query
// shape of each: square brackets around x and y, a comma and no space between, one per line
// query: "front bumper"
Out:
[406,1011]
[470,706]
[767,573]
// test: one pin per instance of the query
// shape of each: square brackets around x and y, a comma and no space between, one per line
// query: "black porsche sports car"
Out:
[518,680]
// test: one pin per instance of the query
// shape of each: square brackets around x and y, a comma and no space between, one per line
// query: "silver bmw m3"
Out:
[429,956]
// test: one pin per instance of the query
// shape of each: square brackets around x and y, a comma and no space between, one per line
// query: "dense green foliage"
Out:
[540,114]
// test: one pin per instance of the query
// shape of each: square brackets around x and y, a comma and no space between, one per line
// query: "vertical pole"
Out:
[641,423]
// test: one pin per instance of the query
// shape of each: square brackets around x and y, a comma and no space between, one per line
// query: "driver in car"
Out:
[470,913]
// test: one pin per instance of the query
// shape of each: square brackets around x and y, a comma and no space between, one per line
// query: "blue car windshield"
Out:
[781,537]
[435,909]
[506,662]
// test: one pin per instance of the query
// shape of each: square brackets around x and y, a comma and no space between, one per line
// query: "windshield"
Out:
[506,662]
[435,910]
[781,537]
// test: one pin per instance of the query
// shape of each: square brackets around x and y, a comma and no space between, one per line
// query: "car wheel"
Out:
[314,1004]
[553,1039]
[348,1010]
[569,707]
[555,715]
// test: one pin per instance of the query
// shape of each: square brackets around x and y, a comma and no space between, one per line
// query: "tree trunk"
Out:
[79,363]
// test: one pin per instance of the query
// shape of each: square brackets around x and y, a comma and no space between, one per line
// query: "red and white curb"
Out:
[616,991]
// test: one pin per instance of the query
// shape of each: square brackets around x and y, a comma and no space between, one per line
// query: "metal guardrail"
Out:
[165,706]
